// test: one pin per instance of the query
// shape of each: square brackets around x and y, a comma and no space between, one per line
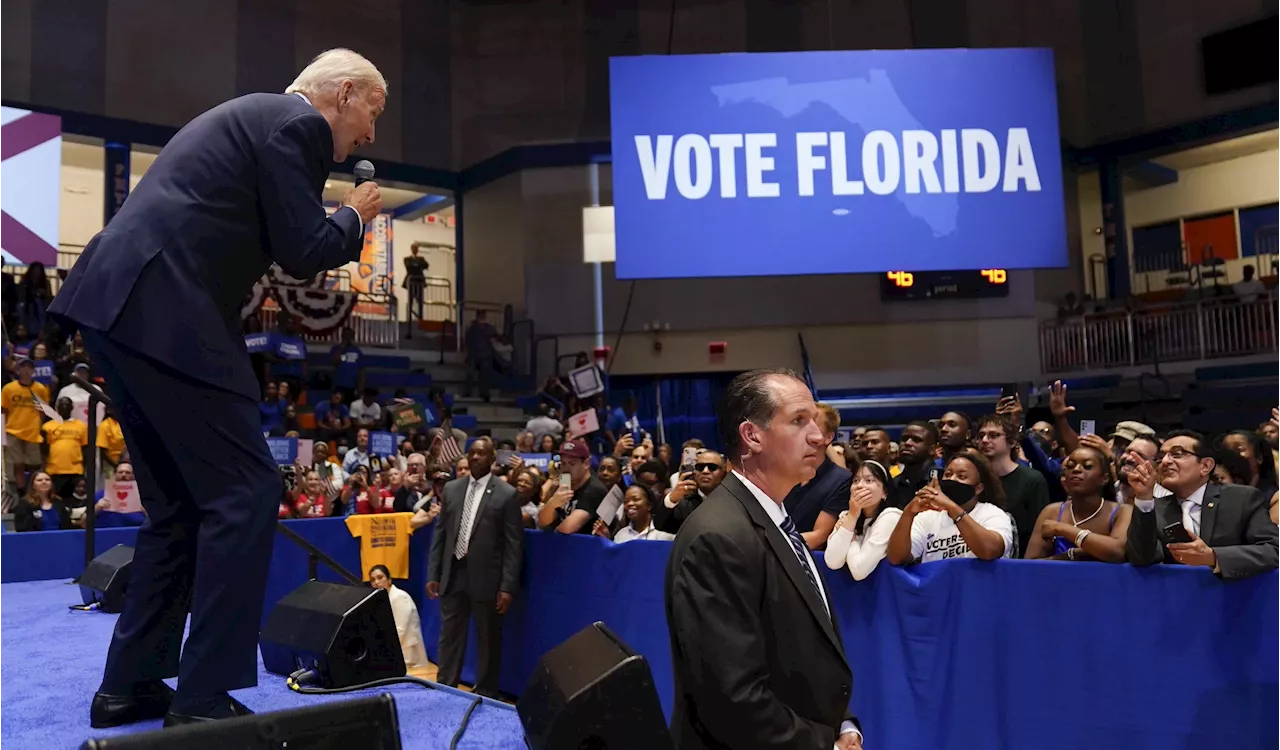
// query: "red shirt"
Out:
[285,511]
[310,507]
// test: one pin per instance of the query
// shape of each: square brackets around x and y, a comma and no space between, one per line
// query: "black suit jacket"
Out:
[758,662]
[496,549]
[237,188]
[1233,521]
[24,516]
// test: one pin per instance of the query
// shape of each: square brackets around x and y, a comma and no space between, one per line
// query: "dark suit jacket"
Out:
[1233,521]
[237,188]
[675,517]
[828,490]
[496,549]
[24,516]
[758,663]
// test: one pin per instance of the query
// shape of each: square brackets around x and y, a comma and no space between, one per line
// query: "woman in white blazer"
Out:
[405,612]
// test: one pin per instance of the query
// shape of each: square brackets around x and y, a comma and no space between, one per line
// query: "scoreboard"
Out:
[918,285]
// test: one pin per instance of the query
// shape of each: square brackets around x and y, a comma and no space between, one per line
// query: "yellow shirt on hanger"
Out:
[384,540]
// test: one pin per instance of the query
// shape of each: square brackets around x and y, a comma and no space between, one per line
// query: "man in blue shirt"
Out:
[346,359]
[332,417]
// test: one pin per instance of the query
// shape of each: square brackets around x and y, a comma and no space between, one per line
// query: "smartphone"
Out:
[1008,390]
[1176,533]
[1088,427]
[566,481]
[688,459]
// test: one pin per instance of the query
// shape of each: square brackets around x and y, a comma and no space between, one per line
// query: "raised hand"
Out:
[1058,400]
[1142,478]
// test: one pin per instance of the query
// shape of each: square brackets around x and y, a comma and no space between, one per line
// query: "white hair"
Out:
[329,69]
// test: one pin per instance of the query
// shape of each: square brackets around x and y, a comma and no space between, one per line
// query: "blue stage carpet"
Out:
[51,663]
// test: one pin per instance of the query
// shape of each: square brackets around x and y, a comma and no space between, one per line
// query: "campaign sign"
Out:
[382,443]
[540,460]
[836,162]
[257,342]
[123,497]
[283,450]
[44,371]
[289,347]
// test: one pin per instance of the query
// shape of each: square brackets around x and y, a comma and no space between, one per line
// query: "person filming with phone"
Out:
[576,493]
[1223,528]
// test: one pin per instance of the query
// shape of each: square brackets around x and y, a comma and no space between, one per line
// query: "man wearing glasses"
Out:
[1223,528]
[691,490]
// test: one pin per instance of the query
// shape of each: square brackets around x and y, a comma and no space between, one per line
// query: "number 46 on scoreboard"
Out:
[906,279]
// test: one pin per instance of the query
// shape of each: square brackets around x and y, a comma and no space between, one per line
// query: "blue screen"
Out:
[836,162]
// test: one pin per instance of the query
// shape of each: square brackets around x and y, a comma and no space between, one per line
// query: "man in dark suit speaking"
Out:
[476,555]
[157,296]
[756,651]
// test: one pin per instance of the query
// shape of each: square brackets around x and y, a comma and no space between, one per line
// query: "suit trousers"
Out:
[457,607]
[211,491]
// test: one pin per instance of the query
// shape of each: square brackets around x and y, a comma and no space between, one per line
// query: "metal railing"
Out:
[374,321]
[1205,329]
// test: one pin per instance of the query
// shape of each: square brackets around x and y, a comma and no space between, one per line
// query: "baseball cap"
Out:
[25,360]
[575,449]
[1133,430]
[80,366]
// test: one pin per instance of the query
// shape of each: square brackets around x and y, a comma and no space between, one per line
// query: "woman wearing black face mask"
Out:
[961,516]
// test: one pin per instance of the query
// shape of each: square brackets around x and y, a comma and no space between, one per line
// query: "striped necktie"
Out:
[468,520]
[802,551]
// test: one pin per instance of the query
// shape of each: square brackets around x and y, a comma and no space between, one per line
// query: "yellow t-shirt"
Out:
[23,417]
[66,446]
[111,437]
[384,540]
[895,470]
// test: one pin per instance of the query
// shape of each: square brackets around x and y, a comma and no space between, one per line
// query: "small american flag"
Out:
[449,449]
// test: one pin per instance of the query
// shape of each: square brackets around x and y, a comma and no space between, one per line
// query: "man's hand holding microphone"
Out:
[365,197]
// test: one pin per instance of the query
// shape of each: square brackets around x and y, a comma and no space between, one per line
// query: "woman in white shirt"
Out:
[961,516]
[637,504]
[862,532]
[405,612]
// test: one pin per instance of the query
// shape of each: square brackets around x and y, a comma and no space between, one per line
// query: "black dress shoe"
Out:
[225,707]
[149,702]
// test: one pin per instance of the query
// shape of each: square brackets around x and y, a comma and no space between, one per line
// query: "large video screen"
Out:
[836,162]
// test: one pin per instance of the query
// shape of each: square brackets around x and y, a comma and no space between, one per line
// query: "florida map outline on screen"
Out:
[836,162]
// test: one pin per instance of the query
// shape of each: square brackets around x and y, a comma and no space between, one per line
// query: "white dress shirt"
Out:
[628,534]
[1190,509]
[304,98]
[776,514]
[469,514]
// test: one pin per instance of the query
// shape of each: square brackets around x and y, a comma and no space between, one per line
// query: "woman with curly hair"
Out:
[1089,524]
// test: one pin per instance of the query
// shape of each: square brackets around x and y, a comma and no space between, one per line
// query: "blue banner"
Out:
[836,162]
[541,460]
[44,371]
[257,342]
[288,347]
[382,443]
[283,450]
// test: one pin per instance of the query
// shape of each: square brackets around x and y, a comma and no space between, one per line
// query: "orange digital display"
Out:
[995,275]
[902,279]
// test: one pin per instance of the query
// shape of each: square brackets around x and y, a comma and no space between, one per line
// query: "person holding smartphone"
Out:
[1226,529]
[576,493]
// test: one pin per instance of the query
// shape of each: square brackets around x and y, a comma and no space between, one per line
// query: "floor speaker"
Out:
[592,691]
[340,725]
[345,634]
[106,578]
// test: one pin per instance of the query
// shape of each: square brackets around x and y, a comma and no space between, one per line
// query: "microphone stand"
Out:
[96,396]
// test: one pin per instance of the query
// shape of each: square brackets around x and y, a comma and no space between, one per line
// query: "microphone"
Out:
[363,171]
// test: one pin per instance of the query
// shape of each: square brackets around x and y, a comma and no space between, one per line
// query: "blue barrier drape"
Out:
[688,404]
[962,654]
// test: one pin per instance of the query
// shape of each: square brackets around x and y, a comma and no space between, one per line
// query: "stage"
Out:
[52,658]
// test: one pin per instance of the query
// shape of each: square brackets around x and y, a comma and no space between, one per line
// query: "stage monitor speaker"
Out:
[364,723]
[106,579]
[592,691]
[345,634]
